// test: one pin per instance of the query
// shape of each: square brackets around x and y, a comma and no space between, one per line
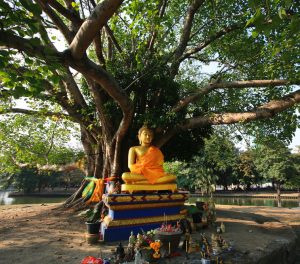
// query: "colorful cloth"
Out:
[94,190]
[150,165]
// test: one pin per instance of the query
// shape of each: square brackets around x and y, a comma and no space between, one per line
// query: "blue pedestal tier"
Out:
[134,212]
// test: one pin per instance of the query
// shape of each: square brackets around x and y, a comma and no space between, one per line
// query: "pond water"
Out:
[288,203]
[5,200]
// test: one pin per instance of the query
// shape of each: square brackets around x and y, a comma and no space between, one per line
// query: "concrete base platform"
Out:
[256,234]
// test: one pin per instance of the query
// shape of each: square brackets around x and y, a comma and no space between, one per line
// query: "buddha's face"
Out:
[146,137]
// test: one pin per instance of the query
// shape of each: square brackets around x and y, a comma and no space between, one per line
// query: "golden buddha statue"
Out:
[146,167]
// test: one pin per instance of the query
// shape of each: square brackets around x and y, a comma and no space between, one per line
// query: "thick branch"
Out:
[267,110]
[237,84]
[112,37]
[56,19]
[185,35]
[72,16]
[123,127]
[212,38]
[99,50]
[73,89]
[107,82]
[184,55]
[99,101]
[162,8]
[92,26]
[9,40]
[51,141]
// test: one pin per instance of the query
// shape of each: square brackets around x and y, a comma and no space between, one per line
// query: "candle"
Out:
[169,248]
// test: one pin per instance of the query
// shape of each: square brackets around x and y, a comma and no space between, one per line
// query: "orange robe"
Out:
[150,165]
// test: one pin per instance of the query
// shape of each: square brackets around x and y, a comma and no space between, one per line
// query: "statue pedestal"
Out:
[137,212]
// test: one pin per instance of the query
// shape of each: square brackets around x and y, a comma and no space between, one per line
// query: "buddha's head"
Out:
[145,136]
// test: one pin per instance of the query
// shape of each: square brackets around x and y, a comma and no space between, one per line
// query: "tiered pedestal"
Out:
[137,212]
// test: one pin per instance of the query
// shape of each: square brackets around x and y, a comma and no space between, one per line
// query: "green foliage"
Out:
[293,180]
[220,163]
[29,141]
[34,140]
[273,161]
[248,173]
[222,156]
[26,180]
[30,179]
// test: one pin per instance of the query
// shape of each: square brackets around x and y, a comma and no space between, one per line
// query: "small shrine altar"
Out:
[139,211]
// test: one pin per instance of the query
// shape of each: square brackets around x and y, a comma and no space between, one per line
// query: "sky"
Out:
[296,140]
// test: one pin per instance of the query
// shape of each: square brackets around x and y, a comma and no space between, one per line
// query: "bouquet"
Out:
[147,241]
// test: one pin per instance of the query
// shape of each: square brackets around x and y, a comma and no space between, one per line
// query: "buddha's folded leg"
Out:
[168,178]
[132,178]
[129,177]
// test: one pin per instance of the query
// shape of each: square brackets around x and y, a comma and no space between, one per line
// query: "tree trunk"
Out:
[278,191]
[103,159]
[93,167]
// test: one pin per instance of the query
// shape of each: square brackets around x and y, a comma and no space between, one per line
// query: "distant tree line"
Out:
[29,180]
[221,163]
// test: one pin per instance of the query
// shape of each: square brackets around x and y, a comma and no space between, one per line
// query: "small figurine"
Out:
[131,240]
[222,227]
[117,188]
[139,240]
[130,248]
[206,248]
[215,244]
[138,257]
[194,246]
[120,252]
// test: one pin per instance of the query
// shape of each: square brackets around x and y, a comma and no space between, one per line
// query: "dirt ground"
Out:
[41,234]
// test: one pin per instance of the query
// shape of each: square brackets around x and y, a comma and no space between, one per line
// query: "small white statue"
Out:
[138,257]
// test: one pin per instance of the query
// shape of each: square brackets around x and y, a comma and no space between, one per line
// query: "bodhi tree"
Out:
[113,65]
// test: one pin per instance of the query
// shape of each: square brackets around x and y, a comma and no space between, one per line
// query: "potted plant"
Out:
[195,213]
[93,219]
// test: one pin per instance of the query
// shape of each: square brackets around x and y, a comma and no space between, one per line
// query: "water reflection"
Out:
[250,201]
[5,200]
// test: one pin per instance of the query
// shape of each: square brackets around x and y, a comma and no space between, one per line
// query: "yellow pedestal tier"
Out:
[148,187]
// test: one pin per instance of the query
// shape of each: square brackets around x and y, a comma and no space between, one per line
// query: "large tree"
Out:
[122,63]
[274,162]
